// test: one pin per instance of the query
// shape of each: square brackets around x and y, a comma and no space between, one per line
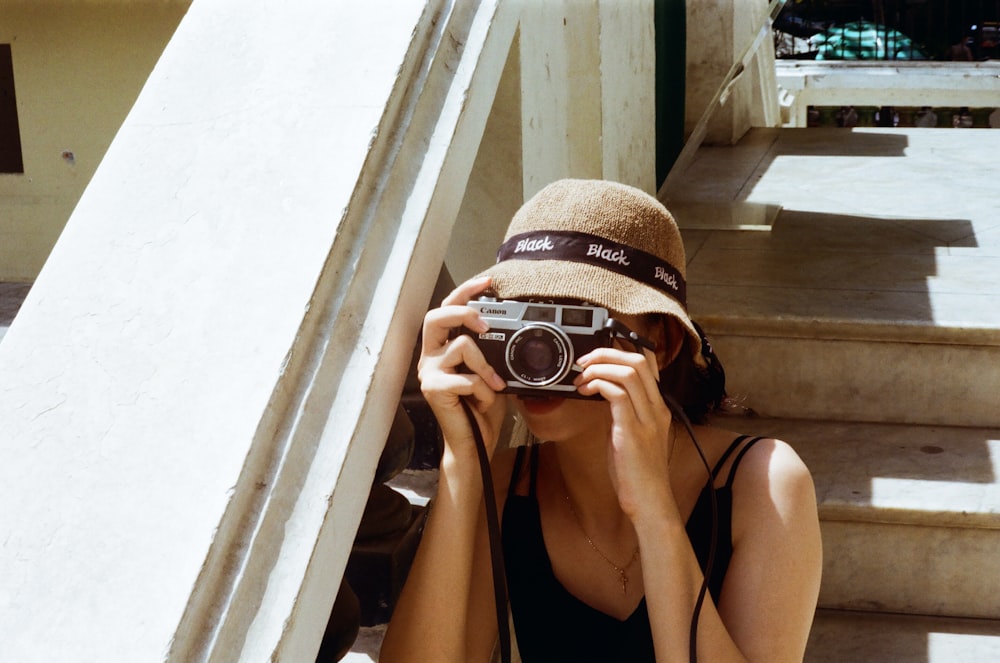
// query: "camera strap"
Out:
[493,529]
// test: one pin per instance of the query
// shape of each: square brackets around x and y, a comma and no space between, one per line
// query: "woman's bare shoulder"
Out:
[769,459]
[774,465]
[772,485]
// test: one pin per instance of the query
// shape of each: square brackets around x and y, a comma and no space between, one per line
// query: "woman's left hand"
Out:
[640,435]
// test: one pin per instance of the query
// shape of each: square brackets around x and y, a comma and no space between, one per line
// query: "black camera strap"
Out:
[493,529]
[678,412]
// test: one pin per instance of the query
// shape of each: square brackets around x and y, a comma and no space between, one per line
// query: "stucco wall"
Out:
[78,67]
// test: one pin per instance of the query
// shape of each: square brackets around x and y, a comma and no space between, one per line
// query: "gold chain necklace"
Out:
[622,570]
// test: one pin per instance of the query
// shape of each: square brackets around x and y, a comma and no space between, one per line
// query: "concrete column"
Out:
[197,388]
[588,83]
[718,32]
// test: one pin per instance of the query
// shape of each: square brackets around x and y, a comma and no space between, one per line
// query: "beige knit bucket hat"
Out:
[601,242]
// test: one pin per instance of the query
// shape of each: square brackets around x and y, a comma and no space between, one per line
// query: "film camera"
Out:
[534,346]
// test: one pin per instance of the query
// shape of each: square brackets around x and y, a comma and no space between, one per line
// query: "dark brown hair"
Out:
[699,391]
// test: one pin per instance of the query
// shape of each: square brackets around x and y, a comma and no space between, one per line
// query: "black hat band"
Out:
[593,250]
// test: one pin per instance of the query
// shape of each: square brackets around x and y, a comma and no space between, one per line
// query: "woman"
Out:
[605,522]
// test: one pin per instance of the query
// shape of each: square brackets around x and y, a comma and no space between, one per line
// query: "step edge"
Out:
[879,515]
[974,506]
[838,329]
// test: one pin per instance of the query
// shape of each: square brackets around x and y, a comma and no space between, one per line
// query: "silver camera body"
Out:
[534,347]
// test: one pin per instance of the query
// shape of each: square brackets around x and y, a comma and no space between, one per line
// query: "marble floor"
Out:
[862,247]
[856,637]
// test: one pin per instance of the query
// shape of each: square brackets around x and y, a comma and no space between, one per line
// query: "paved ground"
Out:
[11,296]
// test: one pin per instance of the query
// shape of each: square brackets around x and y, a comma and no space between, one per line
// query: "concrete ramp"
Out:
[196,391]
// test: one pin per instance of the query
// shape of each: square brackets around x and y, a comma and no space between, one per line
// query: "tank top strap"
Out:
[533,479]
[739,457]
[515,475]
[727,453]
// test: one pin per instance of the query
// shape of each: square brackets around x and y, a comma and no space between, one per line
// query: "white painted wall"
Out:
[576,100]
[718,33]
[494,192]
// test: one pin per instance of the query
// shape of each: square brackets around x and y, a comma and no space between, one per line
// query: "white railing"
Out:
[882,83]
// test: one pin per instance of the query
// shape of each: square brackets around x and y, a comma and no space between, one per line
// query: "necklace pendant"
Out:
[624,579]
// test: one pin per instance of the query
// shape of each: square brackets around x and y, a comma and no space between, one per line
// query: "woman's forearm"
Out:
[772,579]
[429,620]
[672,579]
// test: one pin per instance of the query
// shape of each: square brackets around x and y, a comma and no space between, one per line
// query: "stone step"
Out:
[872,293]
[856,319]
[847,637]
[910,514]
[860,637]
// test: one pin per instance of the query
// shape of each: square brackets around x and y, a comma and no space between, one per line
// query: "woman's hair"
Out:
[698,390]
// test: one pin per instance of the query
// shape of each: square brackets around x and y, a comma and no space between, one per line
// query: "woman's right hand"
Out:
[452,367]
[445,611]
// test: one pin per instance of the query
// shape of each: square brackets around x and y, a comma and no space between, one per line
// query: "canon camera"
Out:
[534,347]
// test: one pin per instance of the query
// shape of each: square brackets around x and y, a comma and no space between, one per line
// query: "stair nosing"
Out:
[834,329]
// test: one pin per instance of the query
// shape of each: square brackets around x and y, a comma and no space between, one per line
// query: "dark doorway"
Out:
[10,133]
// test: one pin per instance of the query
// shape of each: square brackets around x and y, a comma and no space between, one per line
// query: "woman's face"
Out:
[554,418]
[558,419]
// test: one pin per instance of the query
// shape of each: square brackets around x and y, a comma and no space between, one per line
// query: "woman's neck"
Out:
[580,473]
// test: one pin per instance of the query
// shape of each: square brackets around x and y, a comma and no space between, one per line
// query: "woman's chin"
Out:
[541,405]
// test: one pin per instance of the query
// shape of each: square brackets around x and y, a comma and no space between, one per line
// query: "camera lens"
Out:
[538,356]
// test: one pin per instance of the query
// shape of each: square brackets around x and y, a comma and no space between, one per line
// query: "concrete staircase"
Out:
[847,281]
[859,320]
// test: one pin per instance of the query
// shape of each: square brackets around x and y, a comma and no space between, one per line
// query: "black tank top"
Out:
[553,625]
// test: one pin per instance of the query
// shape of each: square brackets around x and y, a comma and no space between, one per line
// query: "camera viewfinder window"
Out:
[578,317]
[540,314]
